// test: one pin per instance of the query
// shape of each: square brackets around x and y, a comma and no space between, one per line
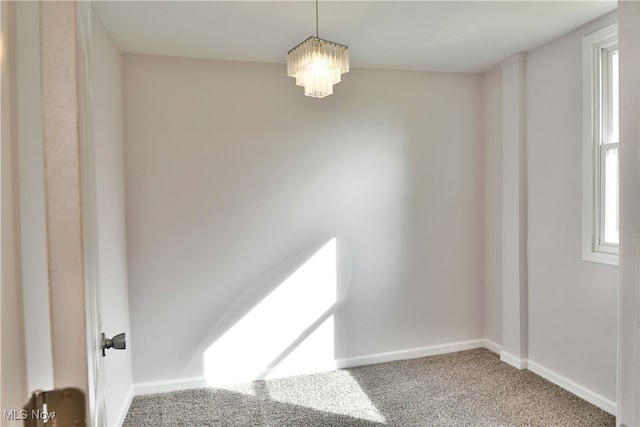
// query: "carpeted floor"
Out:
[469,388]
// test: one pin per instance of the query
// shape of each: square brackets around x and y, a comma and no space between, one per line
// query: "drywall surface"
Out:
[514,218]
[572,303]
[492,113]
[106,66]
[629,289]
[237,186]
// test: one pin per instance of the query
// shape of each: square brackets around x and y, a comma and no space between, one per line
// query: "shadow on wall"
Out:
[267,275]
[290,331]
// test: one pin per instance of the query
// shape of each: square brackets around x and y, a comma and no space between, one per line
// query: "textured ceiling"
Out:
[464,36]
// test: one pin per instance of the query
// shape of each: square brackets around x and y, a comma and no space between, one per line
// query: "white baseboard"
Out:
[412,353]
[154,387]
[125,409]
[492,346]
[514,361]
[390,356]
[557,379]
[580,391]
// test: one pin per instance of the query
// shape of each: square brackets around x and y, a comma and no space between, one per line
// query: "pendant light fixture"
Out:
[317,64]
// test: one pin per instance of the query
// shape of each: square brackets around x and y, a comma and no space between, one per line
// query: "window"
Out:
[601,201]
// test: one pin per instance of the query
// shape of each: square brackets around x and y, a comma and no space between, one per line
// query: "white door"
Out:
[70,205]
[96,380]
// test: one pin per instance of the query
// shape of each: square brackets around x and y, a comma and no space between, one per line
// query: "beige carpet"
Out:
[469,388]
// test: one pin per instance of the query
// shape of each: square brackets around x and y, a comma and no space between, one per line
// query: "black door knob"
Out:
[119,342]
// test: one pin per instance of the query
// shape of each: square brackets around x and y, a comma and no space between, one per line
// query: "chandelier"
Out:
[317,64]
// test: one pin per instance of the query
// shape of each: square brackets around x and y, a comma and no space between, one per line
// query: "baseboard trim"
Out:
[605,404]
[492,346]
[575,388]
[557,379]
[411,353]
[153,387]
[514,361]
[125,409]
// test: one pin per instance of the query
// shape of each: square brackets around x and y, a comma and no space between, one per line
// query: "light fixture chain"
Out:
[317,19]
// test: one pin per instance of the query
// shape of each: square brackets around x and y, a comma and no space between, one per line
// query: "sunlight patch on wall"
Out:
[314,354]
[273,329]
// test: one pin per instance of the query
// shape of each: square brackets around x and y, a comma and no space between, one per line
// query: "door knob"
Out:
[118,342]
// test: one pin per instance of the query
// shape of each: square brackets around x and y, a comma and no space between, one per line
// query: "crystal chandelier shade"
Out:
[317,64]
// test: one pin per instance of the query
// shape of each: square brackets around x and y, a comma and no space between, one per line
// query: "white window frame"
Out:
[595,47]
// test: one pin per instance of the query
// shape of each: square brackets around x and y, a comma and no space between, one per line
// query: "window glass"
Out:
[611,197]
[615,114]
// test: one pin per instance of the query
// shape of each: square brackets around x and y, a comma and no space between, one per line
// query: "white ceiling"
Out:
[465,36]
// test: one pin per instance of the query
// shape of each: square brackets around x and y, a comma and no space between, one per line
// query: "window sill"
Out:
[601,257]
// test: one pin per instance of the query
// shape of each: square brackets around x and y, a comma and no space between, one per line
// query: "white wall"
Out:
[492,113]
[572,303]
[629,289]
[234,178]
[106,66]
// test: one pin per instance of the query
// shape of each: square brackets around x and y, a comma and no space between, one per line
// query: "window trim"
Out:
[593,46]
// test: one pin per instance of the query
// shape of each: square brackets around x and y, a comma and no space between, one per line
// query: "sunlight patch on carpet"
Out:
[339,394]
